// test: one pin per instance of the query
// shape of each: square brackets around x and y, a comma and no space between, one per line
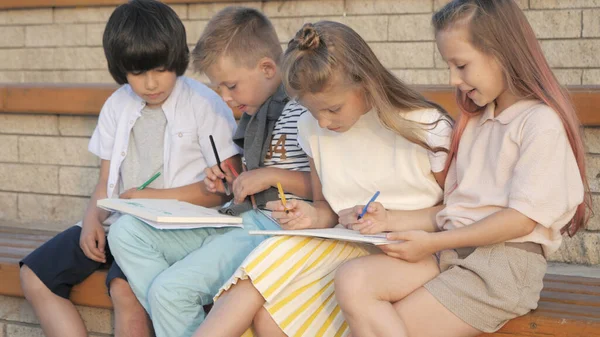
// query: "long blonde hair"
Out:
[324,49]
[500,29]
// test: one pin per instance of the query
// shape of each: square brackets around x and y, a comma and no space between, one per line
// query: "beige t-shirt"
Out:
[520,159]
[353,165]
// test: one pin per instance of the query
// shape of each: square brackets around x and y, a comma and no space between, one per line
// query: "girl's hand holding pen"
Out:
[301,214]
[374,221]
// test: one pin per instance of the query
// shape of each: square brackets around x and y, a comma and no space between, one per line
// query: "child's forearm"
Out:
[195,193]
[326,217]
[423,219]
[294,182]
[94,213]
[501,226]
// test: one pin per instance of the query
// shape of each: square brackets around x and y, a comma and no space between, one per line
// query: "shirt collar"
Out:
[509,114]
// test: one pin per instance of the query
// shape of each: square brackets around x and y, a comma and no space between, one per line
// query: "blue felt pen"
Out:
[364,211]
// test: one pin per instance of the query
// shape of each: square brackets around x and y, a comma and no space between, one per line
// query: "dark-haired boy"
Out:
[158,121]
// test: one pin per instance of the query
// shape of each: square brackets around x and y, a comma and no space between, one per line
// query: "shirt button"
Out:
[112,185]
[180,135]
[123,154]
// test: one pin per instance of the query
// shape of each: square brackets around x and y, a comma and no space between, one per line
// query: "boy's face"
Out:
[242,87]
[153,86]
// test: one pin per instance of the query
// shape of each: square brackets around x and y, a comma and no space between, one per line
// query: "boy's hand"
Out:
[373,222]
[250,182]
[93,240]
[300,215]
[417,245]
[213,181]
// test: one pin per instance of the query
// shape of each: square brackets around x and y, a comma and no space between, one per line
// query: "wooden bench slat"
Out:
[571,280]
[591,312]
[576,299]
[538,325]
[8,242]
[572,288]
[14,252]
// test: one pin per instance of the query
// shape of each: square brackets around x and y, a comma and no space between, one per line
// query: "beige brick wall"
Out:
[65,44]
[17,319]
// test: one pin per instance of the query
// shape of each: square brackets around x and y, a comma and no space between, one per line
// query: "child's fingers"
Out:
[101,242]
[275,205]
[90,250]
[217,172]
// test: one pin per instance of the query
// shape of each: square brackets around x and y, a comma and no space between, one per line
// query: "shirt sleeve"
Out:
[546,185]
[437,136]
[218,121]
[305,126]
[103,139]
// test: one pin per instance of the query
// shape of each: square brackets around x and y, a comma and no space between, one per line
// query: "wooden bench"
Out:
[569,306]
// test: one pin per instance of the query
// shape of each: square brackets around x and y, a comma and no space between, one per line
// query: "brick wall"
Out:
[65,44]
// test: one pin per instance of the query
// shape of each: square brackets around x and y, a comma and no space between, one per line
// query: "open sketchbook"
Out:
[170,214]
[337,233]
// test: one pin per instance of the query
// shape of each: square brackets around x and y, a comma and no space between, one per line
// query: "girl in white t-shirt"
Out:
[367,132]
[514,181]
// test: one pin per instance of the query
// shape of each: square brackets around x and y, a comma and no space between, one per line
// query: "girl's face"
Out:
[477,75]
[338,107]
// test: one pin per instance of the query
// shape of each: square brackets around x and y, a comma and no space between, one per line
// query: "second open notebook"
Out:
[336,233]
[170,214]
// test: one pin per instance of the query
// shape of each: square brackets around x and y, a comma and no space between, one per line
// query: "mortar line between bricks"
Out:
[46,194]
[47,164]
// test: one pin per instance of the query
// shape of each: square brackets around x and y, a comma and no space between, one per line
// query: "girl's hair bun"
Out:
[307,37]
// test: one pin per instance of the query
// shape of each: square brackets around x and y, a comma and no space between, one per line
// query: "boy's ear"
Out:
[268,67]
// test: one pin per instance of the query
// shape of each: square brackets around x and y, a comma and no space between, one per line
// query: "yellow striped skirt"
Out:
[295,276]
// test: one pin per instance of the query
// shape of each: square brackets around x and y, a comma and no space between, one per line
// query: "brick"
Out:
[29,178]
[591,140]
[423,76]
[405,55]
[206,11]
[9,151]
[583,248]
[16,309]
[11,76]
[12,36]
[180,10]
[555,24]
[572,53]
[12,59]
[591,23]
[50,76]
[568,76]
[28,124]
[26,16]
[77,125]
[39,58]
[370,28]
[410,27]
[55,35]
[82,14]
[563,4]
[96,319]
[593,171]
[94,33]
[8,207]
[98,76]
[438,60]
[193,30]
[274,9]
[79,181]
[15,330]
[50,212]
[591,76]
[594,223]
[287,28]
[55,150]
[80,58]
[388,6]
[438,4]
[2,329]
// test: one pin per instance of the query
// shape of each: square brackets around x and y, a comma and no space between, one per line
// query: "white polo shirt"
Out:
[193,112]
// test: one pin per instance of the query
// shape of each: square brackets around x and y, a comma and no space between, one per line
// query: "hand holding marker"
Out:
[214,147]
[364,211]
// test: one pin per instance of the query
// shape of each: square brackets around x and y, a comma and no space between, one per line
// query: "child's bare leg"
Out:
[265,326]
[423,315]
[366,287]
[233,312]
[131,320]
[58,316]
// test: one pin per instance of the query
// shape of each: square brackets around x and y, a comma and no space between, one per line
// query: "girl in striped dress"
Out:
[367,132]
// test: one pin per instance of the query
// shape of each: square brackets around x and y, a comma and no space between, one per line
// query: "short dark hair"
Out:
[141,35]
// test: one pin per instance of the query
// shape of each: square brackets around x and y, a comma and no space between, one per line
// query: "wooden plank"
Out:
[7,242]
[576,299]
[532,325]
[15,252]
[583,311]
[11,4]
[571,280]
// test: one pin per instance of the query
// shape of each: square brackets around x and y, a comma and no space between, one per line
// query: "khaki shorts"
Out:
[490,285]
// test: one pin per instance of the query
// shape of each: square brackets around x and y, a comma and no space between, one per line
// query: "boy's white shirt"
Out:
[193,112]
